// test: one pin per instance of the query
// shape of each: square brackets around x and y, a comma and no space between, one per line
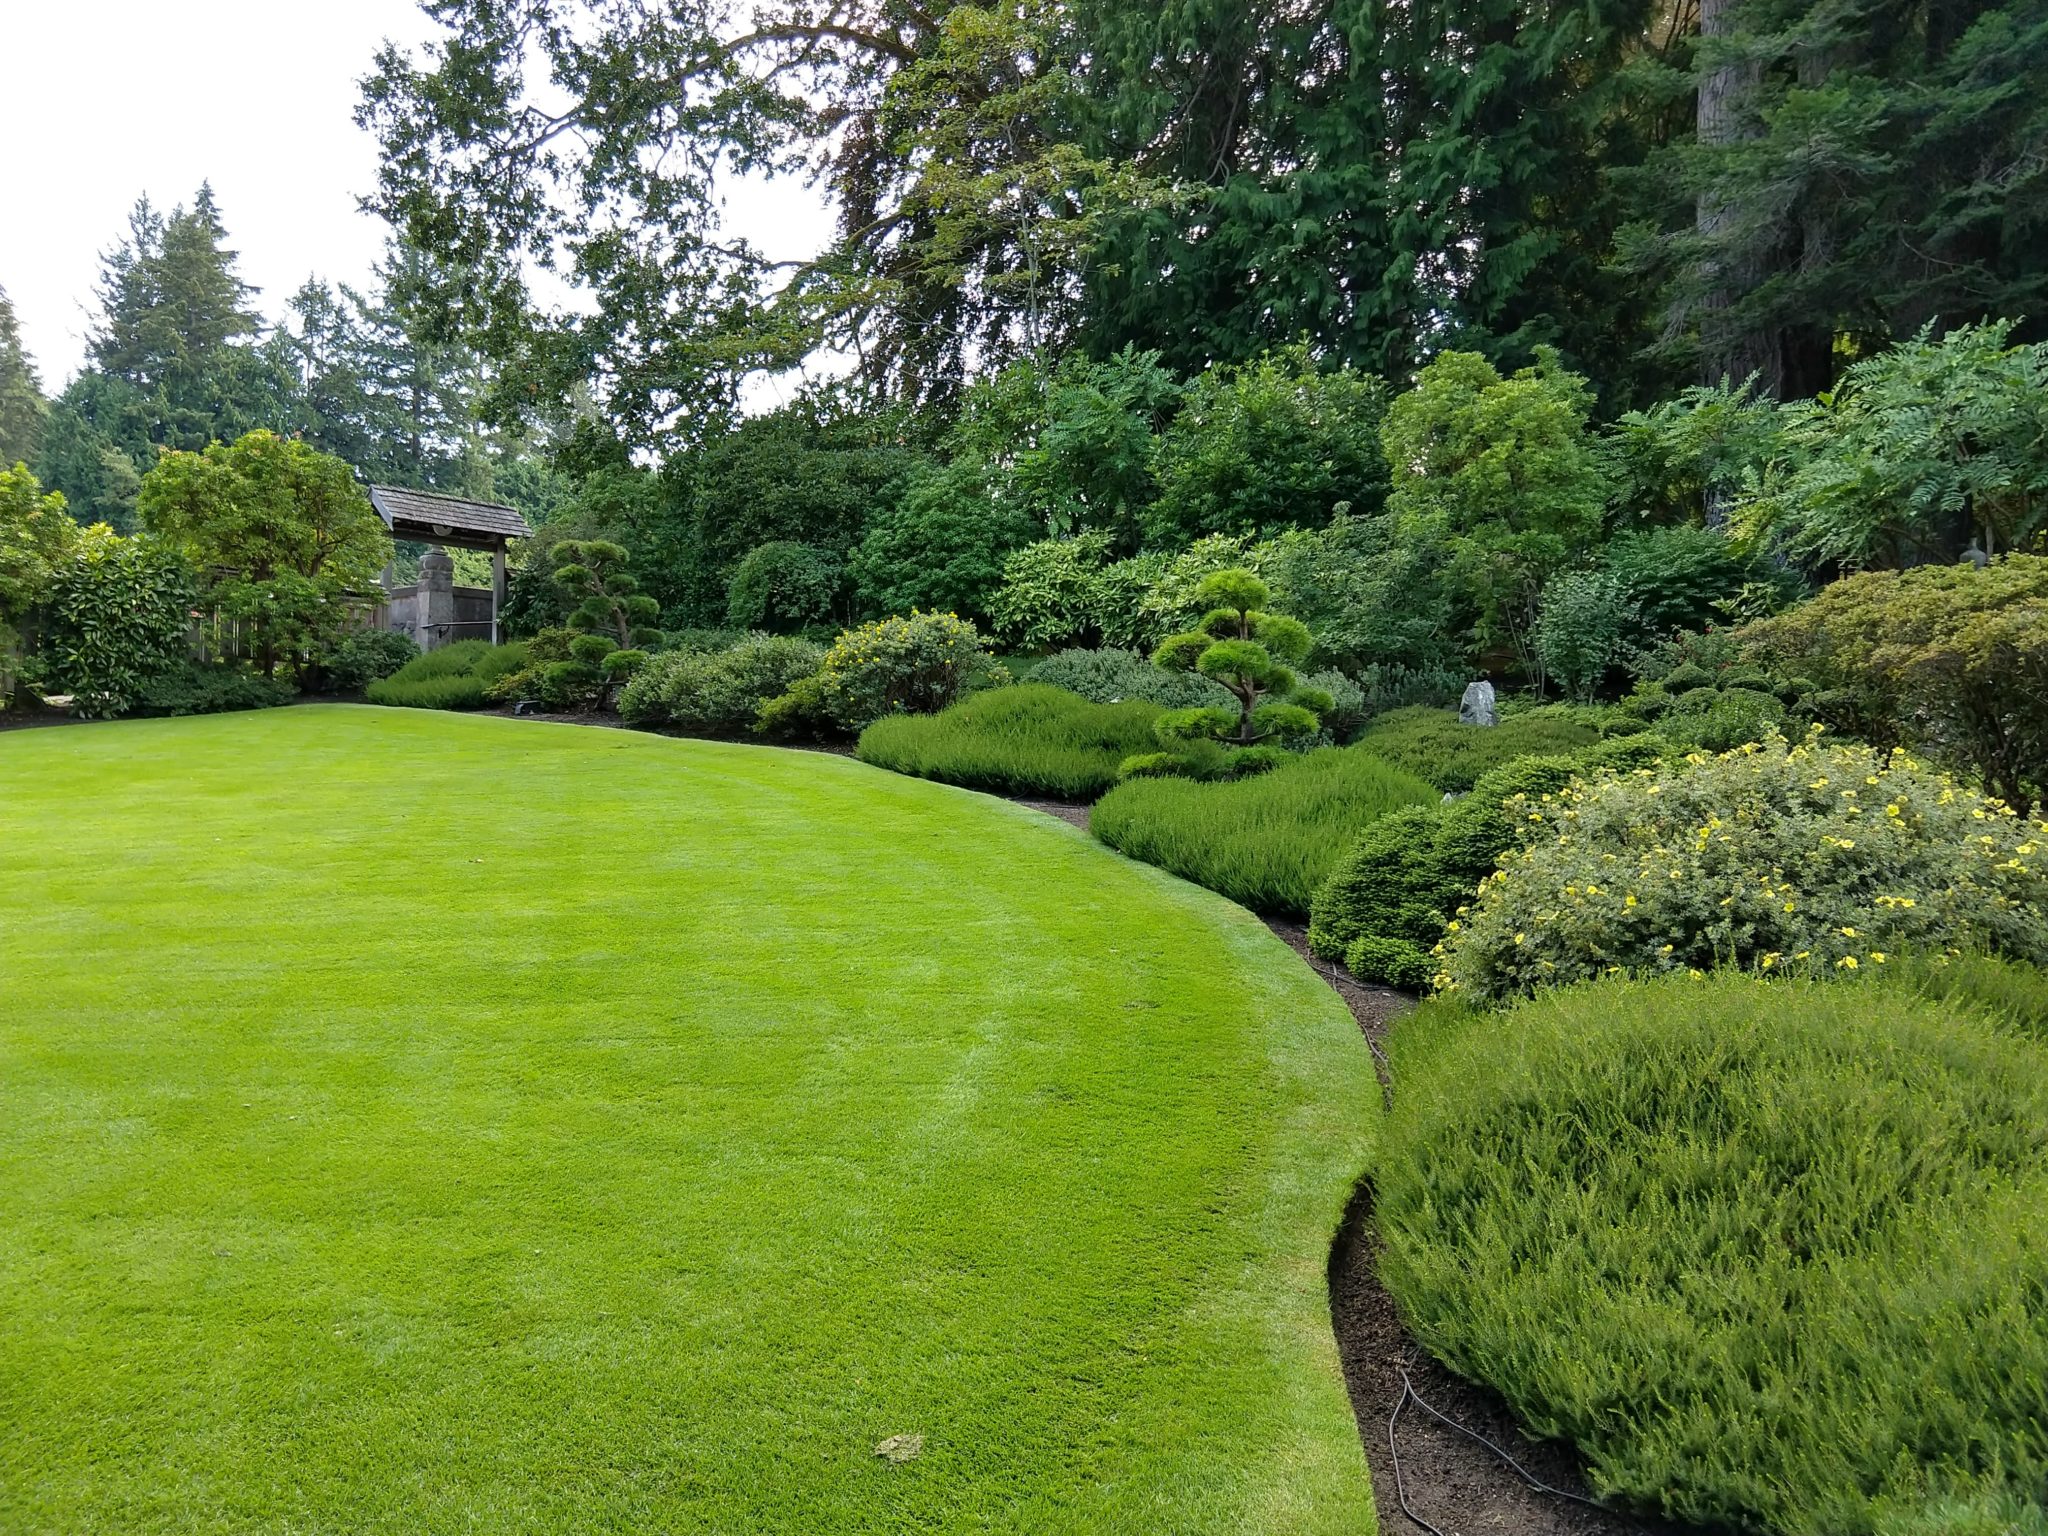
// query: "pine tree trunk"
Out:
[1726,115]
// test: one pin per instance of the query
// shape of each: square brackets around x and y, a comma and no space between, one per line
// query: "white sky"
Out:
[108,99]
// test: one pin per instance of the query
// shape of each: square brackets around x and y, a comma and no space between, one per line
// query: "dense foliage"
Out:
[118,616]
[1776,857]
[920,665]
[1770,1257]
[1111,676]
[1434,745]
[457,676]
[717,690]
[1268,841]
[1029,739]
[1949,659]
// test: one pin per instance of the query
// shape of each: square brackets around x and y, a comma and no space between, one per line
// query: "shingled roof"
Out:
[423,512]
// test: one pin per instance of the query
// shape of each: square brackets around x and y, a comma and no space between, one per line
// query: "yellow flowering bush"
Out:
[918,664]
[1775,858]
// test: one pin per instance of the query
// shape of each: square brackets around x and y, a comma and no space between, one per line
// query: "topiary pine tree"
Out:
[610,603]
[1250,652]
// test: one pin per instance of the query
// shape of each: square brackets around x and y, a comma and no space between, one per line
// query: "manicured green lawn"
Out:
[420,1123]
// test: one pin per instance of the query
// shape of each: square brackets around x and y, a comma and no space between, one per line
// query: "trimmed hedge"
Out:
[1772,1257]
[1031,739]
[456,676]
[1267,841]
[1433,745]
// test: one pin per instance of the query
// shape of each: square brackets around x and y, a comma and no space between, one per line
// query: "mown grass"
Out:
[1268,842]
[454,677]
[1027,740]
[1772,1256]
[427,1122]
[1433,745]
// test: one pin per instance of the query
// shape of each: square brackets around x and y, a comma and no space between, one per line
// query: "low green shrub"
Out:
[194,689]
[117,617]
[1433,745]
[2012,993]
[915,665]
[1113,676]
[1030,739]
[1784,858]
[1401,882]
[457,676]
[363,656]
[1267,841]
[1771,1257]
[717,691]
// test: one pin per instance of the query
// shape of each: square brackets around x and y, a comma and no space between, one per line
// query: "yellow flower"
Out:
[1520,937]
[1696,973]
[1848,933]
[1878,955]
[1665,950]
[1629,900]
[1846,963]
[1770,961]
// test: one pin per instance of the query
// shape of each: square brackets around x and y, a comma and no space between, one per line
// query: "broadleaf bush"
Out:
[1776,857]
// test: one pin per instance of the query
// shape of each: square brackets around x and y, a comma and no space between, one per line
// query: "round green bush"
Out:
[915,665]
[784,587]
[1781,858]
[362,657]
[716,691]
[1389,961]
[1771,1257]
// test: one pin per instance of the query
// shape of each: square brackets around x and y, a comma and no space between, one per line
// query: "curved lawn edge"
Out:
[1321,1483]
[1295,1461]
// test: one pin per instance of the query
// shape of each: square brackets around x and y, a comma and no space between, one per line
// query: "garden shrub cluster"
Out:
[1776,857]
[1267,841]
[361,658]
[919,665]
[1433,744]
[458,676]
[1393,894]
[1030,739]
[197,689]
[1110,676]
[717,691]
[1772,1257]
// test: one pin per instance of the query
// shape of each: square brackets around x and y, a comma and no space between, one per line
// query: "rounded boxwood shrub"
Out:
[720,690]
[1777,857]
[1771,1257]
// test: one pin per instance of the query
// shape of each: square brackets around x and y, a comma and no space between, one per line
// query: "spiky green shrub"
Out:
[1778,857]
[1026,740]
[457,676]
[717,690]
[1433,745]
[1772,1257]
[1267,841]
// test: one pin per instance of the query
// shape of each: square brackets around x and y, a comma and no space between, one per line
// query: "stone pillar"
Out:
[435,614]
[497,589]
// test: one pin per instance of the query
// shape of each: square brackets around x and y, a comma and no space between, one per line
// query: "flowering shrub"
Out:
[916,665]
[1777,858]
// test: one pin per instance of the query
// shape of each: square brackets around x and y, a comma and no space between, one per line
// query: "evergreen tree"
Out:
[1859,168]
[23,410]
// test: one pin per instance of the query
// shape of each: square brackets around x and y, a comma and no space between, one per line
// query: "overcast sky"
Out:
[108,99]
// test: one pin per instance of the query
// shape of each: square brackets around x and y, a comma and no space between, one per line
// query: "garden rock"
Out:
[1478,707]
[901,1448]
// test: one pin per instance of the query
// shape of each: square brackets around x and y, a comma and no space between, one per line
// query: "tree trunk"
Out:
[1732,262]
